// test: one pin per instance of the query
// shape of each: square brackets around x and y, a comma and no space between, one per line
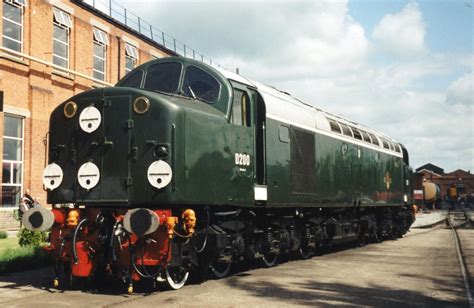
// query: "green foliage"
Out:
[31,238]
[8,243]
[3,234]
[15,258]
[16,215]
[22,259]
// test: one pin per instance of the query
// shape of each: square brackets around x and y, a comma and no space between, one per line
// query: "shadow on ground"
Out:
[313,293]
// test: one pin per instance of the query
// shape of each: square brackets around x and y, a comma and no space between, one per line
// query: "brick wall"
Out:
[32,90]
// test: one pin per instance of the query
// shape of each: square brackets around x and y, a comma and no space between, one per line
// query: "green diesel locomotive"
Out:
[182,167]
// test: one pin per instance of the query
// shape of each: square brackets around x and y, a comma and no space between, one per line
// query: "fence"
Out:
[121,15]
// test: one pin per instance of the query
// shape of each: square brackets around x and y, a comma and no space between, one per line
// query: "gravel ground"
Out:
[420,270]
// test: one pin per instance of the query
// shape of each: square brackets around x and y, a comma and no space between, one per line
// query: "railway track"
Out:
[458,219]
[455,220]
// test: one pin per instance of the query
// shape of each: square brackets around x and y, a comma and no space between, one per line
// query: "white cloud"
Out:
[461,91]
[317,52]
[269,40]
[402,34]
[391,100]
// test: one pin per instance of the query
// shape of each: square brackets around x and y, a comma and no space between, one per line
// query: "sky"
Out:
[404,68]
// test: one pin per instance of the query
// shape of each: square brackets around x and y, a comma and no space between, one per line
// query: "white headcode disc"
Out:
[90,119]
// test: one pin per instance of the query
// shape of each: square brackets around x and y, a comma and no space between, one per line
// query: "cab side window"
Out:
[241,109]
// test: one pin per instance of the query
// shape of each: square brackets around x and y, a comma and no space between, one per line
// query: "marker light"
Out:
[141,105]
[70,109]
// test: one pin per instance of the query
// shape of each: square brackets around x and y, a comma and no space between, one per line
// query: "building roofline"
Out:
[430,172]
[433,165]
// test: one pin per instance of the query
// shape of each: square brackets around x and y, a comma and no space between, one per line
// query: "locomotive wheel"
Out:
[396,233]
[362,240]
[376,235]
[305,252]
[392,233]
[176,277]
[220,269]
[269,259]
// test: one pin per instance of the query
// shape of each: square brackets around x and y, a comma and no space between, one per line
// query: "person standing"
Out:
[26,203]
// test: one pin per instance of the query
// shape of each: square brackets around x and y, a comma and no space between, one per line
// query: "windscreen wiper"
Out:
[191,90]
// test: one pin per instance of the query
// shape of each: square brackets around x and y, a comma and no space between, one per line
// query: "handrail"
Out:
[57,67]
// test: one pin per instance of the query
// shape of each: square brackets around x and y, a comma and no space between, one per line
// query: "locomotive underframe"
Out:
[103,249]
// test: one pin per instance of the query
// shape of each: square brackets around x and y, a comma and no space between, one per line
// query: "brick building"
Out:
[462,180]
[50,51]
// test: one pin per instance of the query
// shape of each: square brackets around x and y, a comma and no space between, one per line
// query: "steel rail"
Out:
[461,260]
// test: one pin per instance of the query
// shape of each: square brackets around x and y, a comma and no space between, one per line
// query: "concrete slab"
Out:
[428,219]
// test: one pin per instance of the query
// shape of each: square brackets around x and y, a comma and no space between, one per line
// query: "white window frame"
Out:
[19,2]
[21,5]
[11,162]
[101,39]
[100,36]
[62,19]
[131,52]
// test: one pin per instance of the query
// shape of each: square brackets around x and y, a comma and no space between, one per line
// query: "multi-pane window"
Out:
[101,41]
[334,126]
[13,24]
[62,27]
[12,180]
[345,129]
[356,133]
[131,57]
[374,139]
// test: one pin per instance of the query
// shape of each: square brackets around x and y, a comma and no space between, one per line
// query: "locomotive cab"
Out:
[223,128]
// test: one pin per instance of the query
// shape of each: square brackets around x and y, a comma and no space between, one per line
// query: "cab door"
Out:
[117,152]
[241,119]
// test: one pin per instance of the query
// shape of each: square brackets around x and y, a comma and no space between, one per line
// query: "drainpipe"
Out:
[119,56]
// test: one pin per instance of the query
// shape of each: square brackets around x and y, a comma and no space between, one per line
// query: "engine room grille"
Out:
[303,171]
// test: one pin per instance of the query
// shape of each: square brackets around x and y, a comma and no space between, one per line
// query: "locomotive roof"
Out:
[281,106]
